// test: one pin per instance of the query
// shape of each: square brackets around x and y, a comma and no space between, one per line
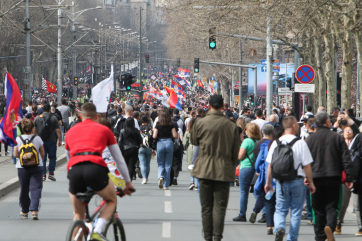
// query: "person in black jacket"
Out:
[130,141]
[331,156]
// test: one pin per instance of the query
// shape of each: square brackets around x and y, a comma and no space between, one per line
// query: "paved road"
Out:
[150,214]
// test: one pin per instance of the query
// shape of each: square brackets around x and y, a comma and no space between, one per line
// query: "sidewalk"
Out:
[9,175]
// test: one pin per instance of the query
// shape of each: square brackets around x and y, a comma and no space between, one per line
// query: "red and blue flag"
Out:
[13,113]
[173,101]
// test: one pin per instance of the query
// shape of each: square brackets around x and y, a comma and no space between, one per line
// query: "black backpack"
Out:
[282,165]
[47,129]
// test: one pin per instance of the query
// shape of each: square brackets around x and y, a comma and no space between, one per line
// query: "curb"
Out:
[14,183]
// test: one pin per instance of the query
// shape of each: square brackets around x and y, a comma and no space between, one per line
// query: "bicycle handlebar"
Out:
[120,192]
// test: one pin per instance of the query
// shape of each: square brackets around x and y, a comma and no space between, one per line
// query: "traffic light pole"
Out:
[140,55]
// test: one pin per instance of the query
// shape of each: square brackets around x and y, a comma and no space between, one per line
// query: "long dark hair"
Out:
[129,128]
[164,118]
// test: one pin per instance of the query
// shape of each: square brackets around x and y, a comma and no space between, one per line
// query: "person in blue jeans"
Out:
[50,137]
[145,153]
[290,194]
[246,172]
[164,131]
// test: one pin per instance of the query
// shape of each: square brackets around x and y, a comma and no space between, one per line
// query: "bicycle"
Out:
[82,229]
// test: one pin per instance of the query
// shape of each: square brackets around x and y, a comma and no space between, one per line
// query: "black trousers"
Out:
[325,204]
[177,161]
[131,158]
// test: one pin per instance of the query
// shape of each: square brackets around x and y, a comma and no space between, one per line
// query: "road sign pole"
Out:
[277,78]
[255,85]
[240,78]
[269,87]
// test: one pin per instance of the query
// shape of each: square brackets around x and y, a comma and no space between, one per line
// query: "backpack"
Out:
[146,134]
[32,116]
[47,129]
[28,153]
[282,165]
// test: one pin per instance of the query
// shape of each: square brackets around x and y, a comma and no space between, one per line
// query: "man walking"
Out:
[331,156]
[47,127]
[290,193]
[219,143]
[65,112]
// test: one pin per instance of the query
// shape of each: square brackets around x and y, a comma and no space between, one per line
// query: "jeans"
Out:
[64,129]
[144,155]
[246,175]
[346,195]
[260,203]
[269,211]
[50,149]
[164,159]
[214,200]
[30,180]
[293,196]
[12,155]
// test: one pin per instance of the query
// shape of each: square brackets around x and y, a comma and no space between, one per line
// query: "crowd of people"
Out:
[223,147]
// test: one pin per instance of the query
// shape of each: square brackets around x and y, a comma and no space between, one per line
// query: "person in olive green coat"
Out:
[219,143]
[190,151]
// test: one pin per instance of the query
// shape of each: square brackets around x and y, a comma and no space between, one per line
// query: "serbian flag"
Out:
[13,113]
[169,90]
[181,94]
[50,87]
[183,72]
[173,101]
[200,84]
[181,81]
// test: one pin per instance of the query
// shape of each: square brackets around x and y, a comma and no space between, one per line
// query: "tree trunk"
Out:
[320,80]
[330,68]
[225,89]
[347,65]
[358,39]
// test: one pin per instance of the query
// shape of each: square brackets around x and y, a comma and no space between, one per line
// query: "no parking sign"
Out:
[305,74]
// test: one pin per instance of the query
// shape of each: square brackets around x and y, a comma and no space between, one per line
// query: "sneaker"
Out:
[329,233]
[51,177]
[138,171]
[144,181]
[160,183]
[263,219]
[196,189]
[192,186]
[237,181]
[166,188]
[24,215]
[174,181]
[269,230]
[279,235]
[252,218]
[359,233]
[338,229]
[44,178]
[239,219]
[98,237]
[310,222]
[34,215]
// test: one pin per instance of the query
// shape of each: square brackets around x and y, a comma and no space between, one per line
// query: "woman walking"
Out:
[246,173]
[145,153]
[30,177]
[164,131]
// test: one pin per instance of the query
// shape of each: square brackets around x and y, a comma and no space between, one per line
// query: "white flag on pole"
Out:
[101,93]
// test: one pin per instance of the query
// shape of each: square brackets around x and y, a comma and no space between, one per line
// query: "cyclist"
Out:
[85,143]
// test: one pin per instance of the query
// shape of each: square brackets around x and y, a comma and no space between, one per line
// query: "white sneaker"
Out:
[144,181]
[166,188]
[160,183]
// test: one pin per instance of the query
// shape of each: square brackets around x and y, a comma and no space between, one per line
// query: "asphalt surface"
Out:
[150,214]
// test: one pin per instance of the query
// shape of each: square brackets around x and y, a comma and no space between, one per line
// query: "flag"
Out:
[181,81]
[46,85]
[169,90]
[13,113]
[183,72]
[210,87]
[200,84]
[102,92]
[135,85]
[43,84]
[181,94]
[173,101]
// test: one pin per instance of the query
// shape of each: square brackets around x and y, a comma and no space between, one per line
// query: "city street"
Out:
[150,214]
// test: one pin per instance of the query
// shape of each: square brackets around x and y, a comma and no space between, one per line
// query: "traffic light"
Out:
[76,81]
[288,83]
[127,81]
[252,100]
[147,58]
[178,62]
[212,38]
[196,65]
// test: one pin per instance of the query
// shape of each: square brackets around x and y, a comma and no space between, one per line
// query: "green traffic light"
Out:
[212,45]
[128,87]
[252,103]
[196,70]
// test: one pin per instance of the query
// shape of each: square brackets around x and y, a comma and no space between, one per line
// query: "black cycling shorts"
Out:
[87,174]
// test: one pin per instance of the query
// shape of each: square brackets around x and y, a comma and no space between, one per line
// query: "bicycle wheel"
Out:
[77,231]
[114,230]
